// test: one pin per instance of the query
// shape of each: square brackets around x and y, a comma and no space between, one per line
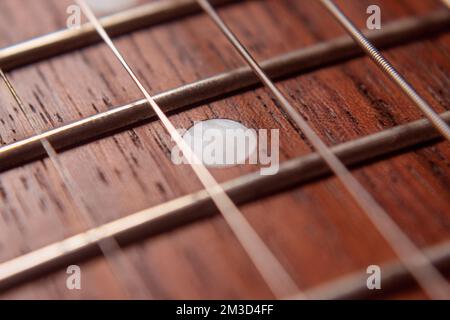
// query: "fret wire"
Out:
[249,187]
[433,283]
[117,24]
[108,246]
[68,40]
[269,267]
[217,86]
[395,276]
[387,68]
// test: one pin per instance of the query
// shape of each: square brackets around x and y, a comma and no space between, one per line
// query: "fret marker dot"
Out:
[221,135]
[103,7]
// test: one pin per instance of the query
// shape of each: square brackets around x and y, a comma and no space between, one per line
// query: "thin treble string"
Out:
[109,246]
[414,260]
[387,68]
[269,267]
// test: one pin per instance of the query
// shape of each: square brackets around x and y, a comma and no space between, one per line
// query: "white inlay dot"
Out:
[103,7]
[221,142]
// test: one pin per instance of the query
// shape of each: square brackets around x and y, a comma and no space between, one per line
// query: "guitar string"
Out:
[230,82]
[387,68]
[108,246]
[242,190]
[426,275]
[269,267]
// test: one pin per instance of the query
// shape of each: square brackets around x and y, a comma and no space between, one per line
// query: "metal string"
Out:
[269,267]
[388,69]
[108,246]
[427,276]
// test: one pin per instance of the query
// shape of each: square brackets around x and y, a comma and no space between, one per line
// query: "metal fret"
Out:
[108,246]
[215,87]
[198,205]
[166,215]
[433,283]
[274,274]
[395,276]
[117,24]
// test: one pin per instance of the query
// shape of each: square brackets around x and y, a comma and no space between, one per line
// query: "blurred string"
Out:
[268,266]
[109,247]
[428,277]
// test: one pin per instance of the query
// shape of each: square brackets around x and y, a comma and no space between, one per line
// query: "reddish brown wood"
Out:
[316,230]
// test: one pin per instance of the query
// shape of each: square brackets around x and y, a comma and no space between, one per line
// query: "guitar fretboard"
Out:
[245,188]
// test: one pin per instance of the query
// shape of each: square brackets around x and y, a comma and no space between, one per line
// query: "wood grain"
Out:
[316,230]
